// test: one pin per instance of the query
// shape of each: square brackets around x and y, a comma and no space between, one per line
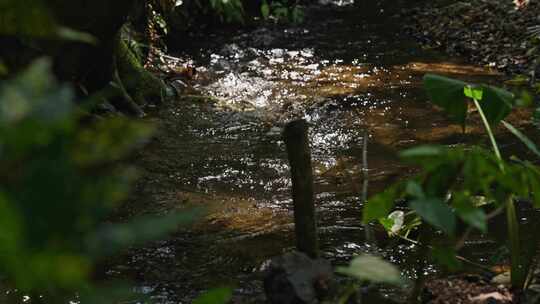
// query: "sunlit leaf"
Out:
[448,94]
[436,212]
[473,92]
[372,269]
[215,296]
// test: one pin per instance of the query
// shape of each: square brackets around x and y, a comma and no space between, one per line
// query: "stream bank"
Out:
[354,76]
[492,33]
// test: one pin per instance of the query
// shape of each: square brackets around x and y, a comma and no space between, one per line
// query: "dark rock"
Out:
[294,278]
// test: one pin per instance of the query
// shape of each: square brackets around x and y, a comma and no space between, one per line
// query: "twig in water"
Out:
[370,239]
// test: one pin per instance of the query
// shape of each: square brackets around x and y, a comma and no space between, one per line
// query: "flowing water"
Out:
[355,77]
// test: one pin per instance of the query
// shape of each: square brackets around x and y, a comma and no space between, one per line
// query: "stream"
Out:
[353,75]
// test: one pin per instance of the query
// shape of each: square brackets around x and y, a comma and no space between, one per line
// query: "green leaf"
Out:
[381,204]
[113,237]
[496,104]
[525,100]
[215,296]
[447,93]
[473,92]
[265,10]
[422,151]
[74,35]
[372,269]
[524,139]
[26,18]
[536,117]
[470,214]
[414,189]
[436,212]
[446,256]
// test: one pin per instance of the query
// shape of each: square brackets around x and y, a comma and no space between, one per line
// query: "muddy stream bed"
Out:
[347,70]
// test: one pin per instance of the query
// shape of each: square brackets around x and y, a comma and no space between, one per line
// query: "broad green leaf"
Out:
[372,269]
[524,139]
[473,92]
[470,214]
[446,256]
[215,296]
[447,93]
[414,189]
[381,204]
[496,103]
[436,212]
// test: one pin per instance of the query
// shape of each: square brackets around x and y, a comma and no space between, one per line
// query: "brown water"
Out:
[348,71]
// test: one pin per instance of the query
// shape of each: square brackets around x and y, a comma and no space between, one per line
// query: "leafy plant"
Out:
[229,10]
[456,182]
[279,11]
[59,181]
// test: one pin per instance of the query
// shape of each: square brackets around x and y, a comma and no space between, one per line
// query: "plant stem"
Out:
[489,132]
[369,235]
[518,275]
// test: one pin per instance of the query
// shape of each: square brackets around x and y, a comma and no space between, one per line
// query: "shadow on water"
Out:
[349,72]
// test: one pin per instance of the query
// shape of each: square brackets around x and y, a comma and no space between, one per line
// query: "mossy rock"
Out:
[142,85]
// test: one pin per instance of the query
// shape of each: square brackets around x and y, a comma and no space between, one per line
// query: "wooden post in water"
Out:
[297,143]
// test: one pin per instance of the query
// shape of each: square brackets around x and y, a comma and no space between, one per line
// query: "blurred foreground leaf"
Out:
[372,269]
[113,237]
[60,180]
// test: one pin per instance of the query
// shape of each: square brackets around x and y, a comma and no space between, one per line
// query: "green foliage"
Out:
[368,268]
[436,212]
[446,256]
[280,12]
[33,19]
[452,95]
[215,296]
[59,181]
[455,182]
[228,10]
